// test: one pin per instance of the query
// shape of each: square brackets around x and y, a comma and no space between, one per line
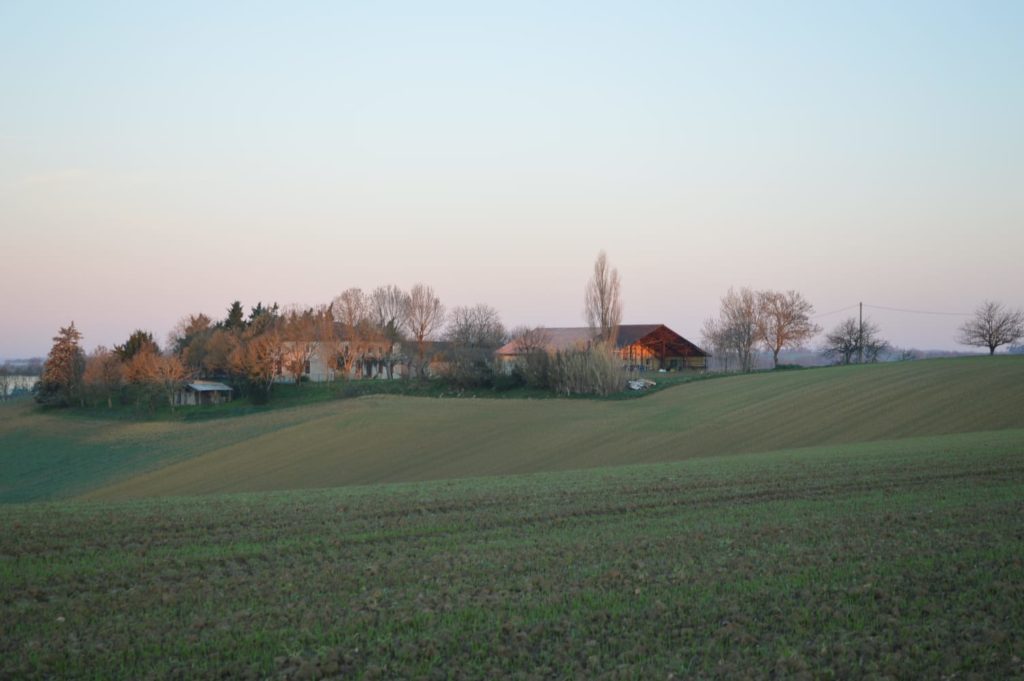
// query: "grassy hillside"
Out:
[48,455]
[390,438]
[890,559]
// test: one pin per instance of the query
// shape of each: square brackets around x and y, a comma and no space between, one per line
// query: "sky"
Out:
[164,159]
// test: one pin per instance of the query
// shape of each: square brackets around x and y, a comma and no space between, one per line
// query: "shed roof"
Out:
[209,386]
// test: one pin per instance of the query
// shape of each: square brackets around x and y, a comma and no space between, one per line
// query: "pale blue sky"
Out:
[162,160]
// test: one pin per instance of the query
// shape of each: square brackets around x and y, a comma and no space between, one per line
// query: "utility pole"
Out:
[860,335]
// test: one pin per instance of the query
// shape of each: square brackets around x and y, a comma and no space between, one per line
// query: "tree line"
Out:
[368,334]
[747,319]
[776,321]
[357,334]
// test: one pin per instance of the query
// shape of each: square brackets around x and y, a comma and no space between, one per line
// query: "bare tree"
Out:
[602,302]
[530,339]
[478,326]
[533,346]
[874,345]
[992,325]
[784,321]
[387,311]
[358,314]
[844,343]
[424,316]
[717,340]
[351,308]
[474,334]
[736,329]
[388,308]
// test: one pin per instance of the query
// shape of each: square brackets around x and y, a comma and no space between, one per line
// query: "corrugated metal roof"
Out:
[209,386]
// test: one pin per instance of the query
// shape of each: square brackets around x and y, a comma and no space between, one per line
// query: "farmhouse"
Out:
[364,355]
[641,346]
[202,392]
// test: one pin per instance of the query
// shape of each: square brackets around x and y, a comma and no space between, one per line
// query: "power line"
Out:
[897,309]
[893,309]
[826,314]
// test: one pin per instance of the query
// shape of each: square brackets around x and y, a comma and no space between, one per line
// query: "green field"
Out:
[399,439]
[829,523]
[895,559]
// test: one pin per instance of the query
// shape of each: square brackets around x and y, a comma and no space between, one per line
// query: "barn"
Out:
[641,346]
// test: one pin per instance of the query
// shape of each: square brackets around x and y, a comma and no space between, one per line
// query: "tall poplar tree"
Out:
[603,302]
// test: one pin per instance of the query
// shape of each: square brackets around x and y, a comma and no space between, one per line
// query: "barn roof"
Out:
[631,333]
[568,337]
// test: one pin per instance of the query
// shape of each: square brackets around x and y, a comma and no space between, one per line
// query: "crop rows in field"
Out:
[400,439]
[898,558]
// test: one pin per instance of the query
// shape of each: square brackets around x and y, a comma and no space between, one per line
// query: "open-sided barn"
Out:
[647,346]
[202,392]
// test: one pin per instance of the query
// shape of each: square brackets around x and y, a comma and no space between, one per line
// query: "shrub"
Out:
[470,368]
[503,382]
[535,370]
[595,370]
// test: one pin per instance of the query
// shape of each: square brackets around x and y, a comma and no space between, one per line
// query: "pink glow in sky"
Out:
[156,163]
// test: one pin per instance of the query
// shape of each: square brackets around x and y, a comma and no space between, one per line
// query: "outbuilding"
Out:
[202,392]
[641,347]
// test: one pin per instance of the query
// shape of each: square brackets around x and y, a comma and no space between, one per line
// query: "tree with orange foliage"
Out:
[61,382]
[219,348]
[153,373]
[171,374]
[258,358]
[104,375]
[298,344]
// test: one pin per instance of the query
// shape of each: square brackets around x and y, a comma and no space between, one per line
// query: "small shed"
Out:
[202,392]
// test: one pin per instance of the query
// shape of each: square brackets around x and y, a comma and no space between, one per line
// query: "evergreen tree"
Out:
[260,310]
[61,382]
[138,342]
[236,316]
